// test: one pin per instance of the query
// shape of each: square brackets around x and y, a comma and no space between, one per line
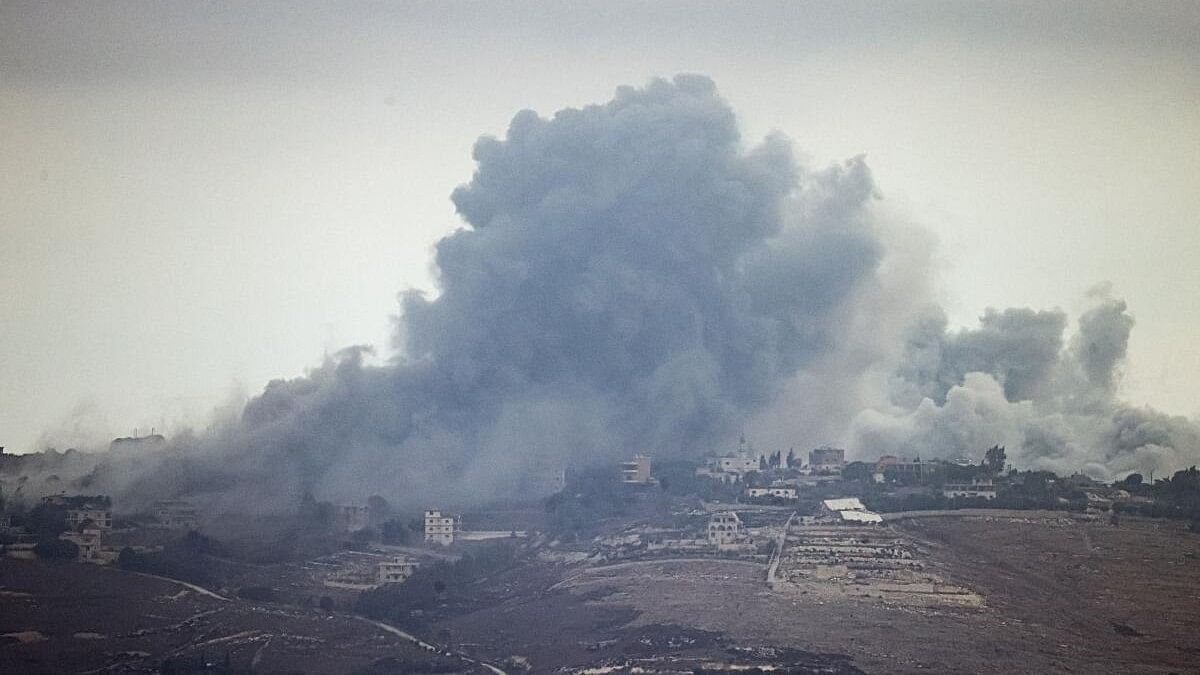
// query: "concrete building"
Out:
[904,470]
[826,459]
[395,571]
[724,528]
[777,491]
[636,471]
[441,529]
[93,516]
[978,488]
[88,542]
[737,463]
[175,514]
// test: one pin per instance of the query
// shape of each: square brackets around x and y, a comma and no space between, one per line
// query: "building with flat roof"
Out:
[395,571]
[441,528]
[636,471]
[724,528]
[826,459]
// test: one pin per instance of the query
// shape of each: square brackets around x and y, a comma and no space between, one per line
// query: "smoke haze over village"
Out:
[648,274]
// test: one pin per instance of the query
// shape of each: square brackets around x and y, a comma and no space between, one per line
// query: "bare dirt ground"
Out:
[69,617]
[1099,599]
[1060,596]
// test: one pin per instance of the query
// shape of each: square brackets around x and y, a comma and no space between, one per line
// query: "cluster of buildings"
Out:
[357,571]
[735,466]
[89,526]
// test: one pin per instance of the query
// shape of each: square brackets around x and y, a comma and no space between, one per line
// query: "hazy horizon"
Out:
[197,199]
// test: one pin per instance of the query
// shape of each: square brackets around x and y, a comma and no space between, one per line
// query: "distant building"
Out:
[904,470]
[88,542]
[737,463]
[175,514]
[636,471]
[826,459]
[351,517]
[395,571]
[441,529]
[724,528]
[777,491]
[93,516]
[849,510]
[979,488]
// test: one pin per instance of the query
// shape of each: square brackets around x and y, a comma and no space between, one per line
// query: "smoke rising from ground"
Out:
[1018,381]
[634,277]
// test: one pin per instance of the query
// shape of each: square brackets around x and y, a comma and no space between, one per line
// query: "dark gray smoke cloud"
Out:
[631,277]
[1017,381]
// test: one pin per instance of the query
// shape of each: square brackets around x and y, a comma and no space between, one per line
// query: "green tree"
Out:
[994,459]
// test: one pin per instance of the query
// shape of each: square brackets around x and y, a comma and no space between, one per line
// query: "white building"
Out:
[395,571]
[826,459]
[441,529]
[978,488]
[849,510]
[724,528]
[777,491]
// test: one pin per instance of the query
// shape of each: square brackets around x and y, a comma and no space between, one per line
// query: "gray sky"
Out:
[198,197]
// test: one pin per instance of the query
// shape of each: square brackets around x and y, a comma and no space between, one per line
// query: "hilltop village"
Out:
[807,528]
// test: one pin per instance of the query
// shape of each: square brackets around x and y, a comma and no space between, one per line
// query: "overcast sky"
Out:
[198,197]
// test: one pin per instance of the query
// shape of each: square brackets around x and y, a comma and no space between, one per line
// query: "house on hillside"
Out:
[441,529]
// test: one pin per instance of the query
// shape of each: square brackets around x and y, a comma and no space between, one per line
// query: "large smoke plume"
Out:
[1018,381]
[633,277]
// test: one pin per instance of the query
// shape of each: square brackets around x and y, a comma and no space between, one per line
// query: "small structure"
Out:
[88,541]
[395,571]
[175,514]
[351,517]
[849,510]
[724,528]
[826,459]
[636,471]
[441,529]
[776,491]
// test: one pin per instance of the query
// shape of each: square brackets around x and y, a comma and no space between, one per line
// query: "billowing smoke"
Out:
[631,277]
[1016,381]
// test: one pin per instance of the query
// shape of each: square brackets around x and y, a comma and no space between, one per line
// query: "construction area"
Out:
[870,562]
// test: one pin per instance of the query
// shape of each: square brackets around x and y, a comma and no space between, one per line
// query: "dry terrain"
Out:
[69,617]
[1035,594]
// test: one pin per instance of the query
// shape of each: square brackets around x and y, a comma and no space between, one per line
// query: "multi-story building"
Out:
[636,470]
[826,459]
[980,488]
[395,571]
[724,528]
[89,516]
[441,529]
[777,491]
